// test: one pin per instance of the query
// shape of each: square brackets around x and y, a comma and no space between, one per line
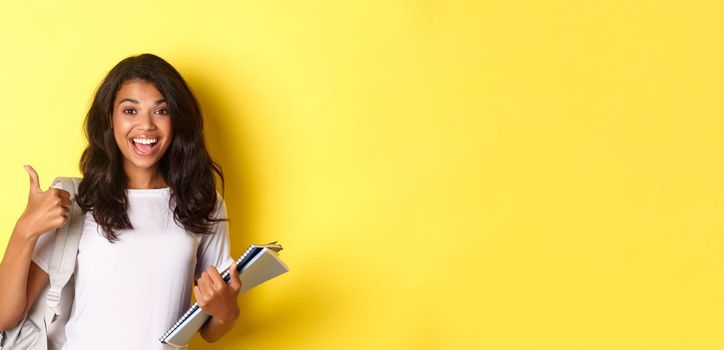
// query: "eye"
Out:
[129,111]
[162,111]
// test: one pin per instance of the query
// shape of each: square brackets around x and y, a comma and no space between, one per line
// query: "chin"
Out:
[142,163]
[145,165]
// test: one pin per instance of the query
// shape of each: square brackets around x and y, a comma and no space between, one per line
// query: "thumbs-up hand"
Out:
[45,210]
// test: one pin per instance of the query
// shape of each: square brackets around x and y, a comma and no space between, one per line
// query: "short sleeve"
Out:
[43,250]
[214,247]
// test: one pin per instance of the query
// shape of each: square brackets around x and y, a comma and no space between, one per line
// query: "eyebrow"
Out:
[158,102]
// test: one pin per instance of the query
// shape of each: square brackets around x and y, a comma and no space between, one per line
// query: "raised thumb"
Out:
[34,182]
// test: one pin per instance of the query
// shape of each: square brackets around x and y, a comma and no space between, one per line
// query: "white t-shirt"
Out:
[128,293]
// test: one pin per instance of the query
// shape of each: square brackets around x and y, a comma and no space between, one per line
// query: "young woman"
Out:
[154,220]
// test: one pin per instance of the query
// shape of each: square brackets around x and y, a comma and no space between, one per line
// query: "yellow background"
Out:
[442,174]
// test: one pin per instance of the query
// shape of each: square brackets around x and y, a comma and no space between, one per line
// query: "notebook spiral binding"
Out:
[243,260]
[225,276]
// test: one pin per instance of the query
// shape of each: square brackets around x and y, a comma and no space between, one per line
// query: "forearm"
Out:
[214,328]
[14,276]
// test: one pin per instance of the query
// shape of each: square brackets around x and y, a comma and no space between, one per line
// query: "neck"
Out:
[145,179]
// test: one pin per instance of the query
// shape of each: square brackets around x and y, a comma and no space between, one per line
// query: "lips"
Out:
[144,147]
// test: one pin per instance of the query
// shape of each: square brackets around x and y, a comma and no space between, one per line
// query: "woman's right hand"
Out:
[45,210]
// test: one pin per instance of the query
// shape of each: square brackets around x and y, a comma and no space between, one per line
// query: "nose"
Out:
[146,121]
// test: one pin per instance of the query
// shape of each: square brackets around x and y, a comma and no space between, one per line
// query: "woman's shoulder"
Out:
[220,208]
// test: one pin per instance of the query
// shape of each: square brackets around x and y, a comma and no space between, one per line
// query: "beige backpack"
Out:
[43,328]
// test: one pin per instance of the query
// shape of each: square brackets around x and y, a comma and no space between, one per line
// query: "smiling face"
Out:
[142,127]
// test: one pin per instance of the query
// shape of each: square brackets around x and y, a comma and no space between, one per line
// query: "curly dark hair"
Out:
[186,166]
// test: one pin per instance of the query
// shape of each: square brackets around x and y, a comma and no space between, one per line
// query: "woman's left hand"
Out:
[216,297]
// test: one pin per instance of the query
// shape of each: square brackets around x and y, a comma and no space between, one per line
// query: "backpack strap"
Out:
[65,250]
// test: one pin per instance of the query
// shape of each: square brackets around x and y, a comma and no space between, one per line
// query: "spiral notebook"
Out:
[257,265]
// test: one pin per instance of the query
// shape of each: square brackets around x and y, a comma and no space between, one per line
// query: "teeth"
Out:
[145,141]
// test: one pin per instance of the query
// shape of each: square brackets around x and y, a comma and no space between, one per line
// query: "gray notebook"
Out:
[257,265]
